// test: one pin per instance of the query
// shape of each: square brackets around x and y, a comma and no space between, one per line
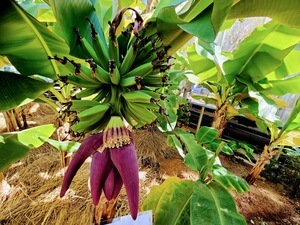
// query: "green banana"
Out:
[123,39]
[151,106]
[87,92]
[81,105]
[102,75]
[128,81]
[114,73]
[80,82]
[96,112]
[114,51]
[102,95]
[140,71]
[141,115]
[85,126]
[137,96]
[100,46]
[129,58]
[152,93]
[86,74]
[86,48]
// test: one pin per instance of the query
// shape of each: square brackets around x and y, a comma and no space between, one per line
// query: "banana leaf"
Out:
[213,203]
[229,180]
[71,14]
[17,90]
[15,145]
[169,202]
[285,12]
[281,87]
[27,43]
[262,51]
[288,66]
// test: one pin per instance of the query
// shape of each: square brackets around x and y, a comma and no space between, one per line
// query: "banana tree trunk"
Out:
[220,119]
[267,154]
[15,119]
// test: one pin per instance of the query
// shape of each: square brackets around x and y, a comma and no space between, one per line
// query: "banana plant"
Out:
[206,200]
[110,65]
[287,136]
[246,81]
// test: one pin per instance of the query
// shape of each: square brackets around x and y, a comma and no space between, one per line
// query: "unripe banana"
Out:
[86,48]
[95,112]
[85,126]
[102,94]
[141,115]
[100,46]
[123,39]
[137,96]
[114,51]
[87,92]
[140,71]
[128,81]
[114,73]
[102,75]
[152,93]
[81,105]
[128,59]
[80,82]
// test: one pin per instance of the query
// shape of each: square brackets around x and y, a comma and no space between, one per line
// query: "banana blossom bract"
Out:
[114,162]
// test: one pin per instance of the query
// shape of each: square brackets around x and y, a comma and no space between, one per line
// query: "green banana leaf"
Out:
[282,87]
[210,57]
[288,67]
[169,202]
[206,134]
[15,145]
[262,51]
[65,146]
[293,121]
[229,180]
[170,105]
[197,157]
[173,141]
[285,12]
[70,14]
[27,43]
[17,90]
[213,204]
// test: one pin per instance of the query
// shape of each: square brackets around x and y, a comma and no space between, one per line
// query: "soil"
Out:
[265,204]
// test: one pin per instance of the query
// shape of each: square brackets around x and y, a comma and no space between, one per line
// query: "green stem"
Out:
[114,100]
[212,160]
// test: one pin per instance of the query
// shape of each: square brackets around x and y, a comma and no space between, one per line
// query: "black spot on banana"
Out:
[114,73]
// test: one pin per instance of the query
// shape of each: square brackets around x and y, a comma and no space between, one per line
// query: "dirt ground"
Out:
[265,204]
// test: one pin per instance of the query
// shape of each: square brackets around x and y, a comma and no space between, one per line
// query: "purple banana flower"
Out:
[114,162]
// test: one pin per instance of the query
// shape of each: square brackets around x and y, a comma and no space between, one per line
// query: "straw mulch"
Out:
[34,198]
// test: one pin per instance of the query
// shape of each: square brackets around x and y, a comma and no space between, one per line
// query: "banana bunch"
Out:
[120,74]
